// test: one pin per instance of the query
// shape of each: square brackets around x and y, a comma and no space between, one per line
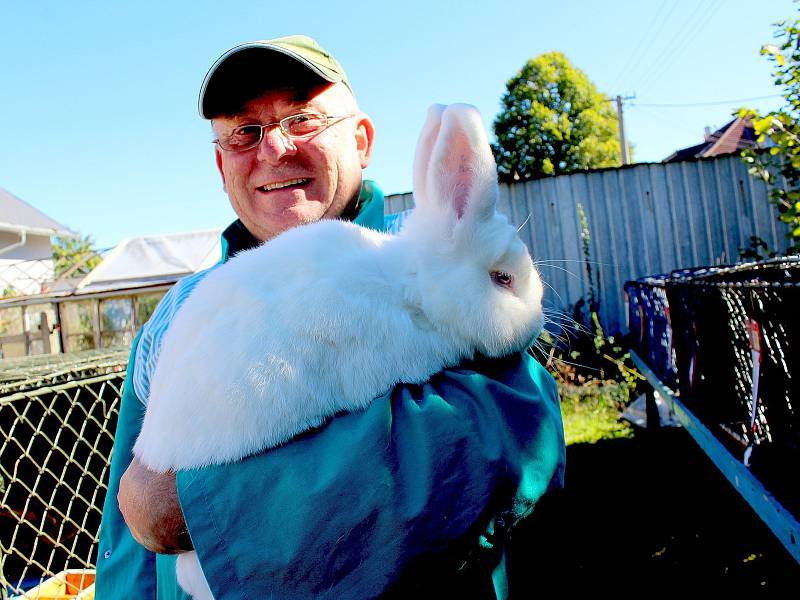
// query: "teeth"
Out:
[282,184]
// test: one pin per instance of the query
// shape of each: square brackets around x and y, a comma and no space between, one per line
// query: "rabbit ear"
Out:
[422,158]
[462,175]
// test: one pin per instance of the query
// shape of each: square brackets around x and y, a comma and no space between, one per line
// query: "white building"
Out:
[107,307]
[25,245]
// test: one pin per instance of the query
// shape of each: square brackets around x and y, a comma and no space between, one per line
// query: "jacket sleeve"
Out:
[120,559]
[124,568]
[347,510]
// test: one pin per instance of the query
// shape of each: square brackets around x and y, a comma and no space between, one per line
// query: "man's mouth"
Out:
[282,184]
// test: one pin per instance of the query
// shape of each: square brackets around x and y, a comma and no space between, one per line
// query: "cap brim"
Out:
[213,76]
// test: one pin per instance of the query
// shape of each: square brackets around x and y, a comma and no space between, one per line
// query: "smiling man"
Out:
[409,498]
[291,177]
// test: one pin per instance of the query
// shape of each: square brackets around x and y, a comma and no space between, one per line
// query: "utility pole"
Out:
[623,145]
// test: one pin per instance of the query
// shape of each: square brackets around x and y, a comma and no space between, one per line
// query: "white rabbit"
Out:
[328,316]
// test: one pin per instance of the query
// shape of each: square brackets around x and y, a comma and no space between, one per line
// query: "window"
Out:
[77,322]
[145,306]
[12,334]
[116,322]
[39,322]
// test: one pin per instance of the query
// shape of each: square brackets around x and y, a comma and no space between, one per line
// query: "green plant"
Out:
[779,166]
[595,373]
[583,352]
[591,412]
[586,247]
[553,121]
[758,249]
[74,256]
[10,292]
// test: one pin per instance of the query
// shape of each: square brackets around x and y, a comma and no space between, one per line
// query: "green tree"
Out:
[553,121]
[779,166]
[74,256]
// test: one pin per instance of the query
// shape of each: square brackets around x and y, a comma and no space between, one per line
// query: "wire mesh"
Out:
[734,334]
[38,275]
[649,326]
[26,277]
[30,372]
[57,421]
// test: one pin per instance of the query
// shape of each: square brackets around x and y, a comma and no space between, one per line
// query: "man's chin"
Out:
[293,216]
[302,213]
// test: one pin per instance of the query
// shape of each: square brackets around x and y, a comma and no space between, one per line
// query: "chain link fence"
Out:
[32,276]
[727,339]
[57,420]
[25,277]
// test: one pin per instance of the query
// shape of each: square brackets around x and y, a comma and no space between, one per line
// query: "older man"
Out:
[409,498]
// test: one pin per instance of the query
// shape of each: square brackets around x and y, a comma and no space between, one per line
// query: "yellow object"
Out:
[72,584]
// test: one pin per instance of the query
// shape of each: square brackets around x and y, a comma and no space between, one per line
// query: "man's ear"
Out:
[218,156]
[365,136]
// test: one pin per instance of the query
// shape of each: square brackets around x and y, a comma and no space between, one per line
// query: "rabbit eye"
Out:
[502,278]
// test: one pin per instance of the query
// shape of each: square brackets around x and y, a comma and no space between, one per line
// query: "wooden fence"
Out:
[643,219]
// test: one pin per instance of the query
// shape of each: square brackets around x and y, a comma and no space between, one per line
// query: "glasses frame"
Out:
[329,120]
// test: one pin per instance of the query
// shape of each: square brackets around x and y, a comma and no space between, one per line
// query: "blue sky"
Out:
[100,129]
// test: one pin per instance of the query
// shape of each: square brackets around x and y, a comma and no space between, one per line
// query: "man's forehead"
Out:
[283,101]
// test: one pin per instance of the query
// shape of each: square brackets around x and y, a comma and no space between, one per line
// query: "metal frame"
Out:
[780,521]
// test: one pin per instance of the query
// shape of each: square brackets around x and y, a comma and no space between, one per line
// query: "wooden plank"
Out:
[14,339]
[645,219]
[780,521]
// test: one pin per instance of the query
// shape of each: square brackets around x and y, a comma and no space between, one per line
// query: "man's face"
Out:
[284,182]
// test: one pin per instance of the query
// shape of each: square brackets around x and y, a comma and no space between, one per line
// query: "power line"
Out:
[669,47]
[679,44]
[651,49]
[716,102]
[673,122]
[635,56]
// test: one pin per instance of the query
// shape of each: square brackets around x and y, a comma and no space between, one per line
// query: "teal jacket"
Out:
[410,498]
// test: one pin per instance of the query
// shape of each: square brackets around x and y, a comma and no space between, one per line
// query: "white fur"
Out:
[327,316]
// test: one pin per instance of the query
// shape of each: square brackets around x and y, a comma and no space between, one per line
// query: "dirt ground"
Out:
[649,517]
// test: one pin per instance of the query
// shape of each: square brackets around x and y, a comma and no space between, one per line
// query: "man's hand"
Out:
[149,504]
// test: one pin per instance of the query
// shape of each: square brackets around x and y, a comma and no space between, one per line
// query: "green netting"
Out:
[30,372]
[57,419]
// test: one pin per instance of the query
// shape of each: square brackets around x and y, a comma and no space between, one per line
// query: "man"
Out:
[409,498]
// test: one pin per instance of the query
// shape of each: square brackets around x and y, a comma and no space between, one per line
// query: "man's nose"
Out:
[275,145]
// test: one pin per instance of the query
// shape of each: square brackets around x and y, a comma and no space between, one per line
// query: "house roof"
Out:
[731,137]
[18,216]
[136,265]
[150,260]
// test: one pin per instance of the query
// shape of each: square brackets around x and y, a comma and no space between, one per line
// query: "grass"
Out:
[596,380]
[591,411]
[594,391]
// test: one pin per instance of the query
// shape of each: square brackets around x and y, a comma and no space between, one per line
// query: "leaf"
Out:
[780,166]
[75,252]
[565,123]
[762,125]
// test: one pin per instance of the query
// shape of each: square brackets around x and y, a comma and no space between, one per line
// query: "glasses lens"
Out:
[242,138]
[304,124]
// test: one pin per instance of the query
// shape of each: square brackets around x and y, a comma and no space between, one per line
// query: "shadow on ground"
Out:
[647,517]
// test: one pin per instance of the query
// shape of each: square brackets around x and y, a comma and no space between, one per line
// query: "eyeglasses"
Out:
[294,126]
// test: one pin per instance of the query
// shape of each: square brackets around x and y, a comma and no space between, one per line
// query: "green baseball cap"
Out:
[247,70]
